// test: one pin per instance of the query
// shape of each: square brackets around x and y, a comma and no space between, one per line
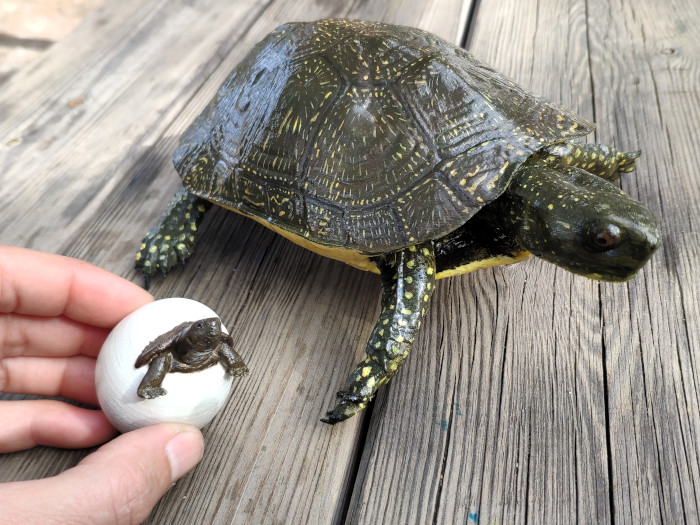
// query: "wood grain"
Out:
[584,408]
[531,396]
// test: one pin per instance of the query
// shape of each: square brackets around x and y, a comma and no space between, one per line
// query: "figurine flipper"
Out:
[150,386]
[230,360]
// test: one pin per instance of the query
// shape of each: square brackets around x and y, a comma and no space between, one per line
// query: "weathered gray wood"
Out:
[513,394]
[651,62]
[299,320]
[537,396]
[532,395]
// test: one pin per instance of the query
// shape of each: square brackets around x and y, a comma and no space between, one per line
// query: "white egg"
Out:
[193,397]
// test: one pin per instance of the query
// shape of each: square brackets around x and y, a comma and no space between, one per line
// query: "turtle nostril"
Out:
[653,240]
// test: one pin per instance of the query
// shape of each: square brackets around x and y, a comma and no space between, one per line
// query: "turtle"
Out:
[189,347]
[394,151]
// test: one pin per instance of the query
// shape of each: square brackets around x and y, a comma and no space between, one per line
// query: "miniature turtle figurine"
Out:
[396,152]
[189,347]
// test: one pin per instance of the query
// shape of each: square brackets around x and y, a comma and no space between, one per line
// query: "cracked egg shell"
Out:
[193,397]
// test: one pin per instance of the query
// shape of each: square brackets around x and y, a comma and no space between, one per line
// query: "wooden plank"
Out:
[508,399]
[584,406]
[299,320]
[650,63]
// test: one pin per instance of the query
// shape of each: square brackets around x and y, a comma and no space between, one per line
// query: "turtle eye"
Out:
[605,237]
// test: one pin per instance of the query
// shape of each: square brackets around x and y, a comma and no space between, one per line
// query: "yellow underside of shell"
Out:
[364,262]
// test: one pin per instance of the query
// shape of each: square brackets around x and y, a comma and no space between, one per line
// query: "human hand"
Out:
[55,313]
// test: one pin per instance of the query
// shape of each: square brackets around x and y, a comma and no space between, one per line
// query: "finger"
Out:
[120,483]
[44,284]
[48,336]
[26,424]
[70,377]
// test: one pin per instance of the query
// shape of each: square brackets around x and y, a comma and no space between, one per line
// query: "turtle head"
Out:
[580,222]
[205,331]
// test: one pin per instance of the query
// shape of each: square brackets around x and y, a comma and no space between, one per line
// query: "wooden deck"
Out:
[532,396]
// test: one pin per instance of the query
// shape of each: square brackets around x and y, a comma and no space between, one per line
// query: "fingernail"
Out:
[184,451]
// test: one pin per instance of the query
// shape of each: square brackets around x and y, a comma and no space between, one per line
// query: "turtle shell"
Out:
[365,136]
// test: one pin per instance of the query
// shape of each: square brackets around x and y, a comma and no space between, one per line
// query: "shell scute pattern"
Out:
[365,136]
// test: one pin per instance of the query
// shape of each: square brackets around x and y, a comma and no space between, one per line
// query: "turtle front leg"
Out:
[408,281]
[173,239]
[230,360]
[599,159]
[150,386]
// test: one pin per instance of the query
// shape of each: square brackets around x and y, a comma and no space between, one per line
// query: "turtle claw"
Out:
[350,404]
[151,392]
[333,418]
[627,162]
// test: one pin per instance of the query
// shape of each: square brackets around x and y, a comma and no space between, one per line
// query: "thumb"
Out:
[119,483]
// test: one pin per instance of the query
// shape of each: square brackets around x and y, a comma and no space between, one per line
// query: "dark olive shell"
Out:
[363,135]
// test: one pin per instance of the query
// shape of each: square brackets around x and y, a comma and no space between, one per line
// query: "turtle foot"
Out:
[239,370]
[627,162]
[173,240]
[349,405]
[151,392]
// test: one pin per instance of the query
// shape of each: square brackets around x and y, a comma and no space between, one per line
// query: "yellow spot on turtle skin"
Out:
[138,256]
[409,279]
[426,298]
[408,295]
[147,263]
[550,207]
[406,311]
[366,371]
[153,249]
[385,322]
[411,264]
[399,339]
[180,246]
[429,271]
[143,245]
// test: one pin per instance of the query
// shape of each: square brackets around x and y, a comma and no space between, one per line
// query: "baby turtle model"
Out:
[189,347]
[396,152]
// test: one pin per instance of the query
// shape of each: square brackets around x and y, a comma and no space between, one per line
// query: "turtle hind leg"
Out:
[408,281]
[173,240]
[599,159]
